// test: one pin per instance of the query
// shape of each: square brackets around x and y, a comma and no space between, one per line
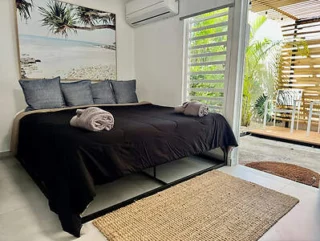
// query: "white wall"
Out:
[158,61]
[159,55]
[11,98]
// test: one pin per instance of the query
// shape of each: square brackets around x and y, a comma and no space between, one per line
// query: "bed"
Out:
[68,162]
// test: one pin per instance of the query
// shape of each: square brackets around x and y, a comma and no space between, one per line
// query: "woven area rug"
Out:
[213,206]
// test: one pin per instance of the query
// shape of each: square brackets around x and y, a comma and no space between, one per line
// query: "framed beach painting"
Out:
[61,39]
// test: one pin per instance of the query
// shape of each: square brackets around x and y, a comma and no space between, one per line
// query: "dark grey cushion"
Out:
[102,93]
[42,94]
[77,93]
[125,91]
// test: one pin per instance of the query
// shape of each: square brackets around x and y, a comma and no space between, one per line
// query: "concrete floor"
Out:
[258,149]
[24,213]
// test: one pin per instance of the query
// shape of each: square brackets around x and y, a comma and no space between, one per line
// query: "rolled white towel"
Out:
[203,110]
[195,108]
[93,119]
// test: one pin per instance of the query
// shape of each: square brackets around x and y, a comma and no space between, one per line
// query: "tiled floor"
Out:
[259,149]
[24,214]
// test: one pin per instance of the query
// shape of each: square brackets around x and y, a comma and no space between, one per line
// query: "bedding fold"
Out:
[21,114]
[93,119]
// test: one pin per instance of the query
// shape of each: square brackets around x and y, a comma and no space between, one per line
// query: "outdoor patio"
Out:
[299,68]
[282,133]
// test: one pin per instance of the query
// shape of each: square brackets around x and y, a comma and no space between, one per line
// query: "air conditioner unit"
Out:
[140,12]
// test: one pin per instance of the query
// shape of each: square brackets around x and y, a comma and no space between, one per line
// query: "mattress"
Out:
[70,161]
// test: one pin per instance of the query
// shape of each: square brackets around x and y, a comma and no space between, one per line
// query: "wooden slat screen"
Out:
[300,63]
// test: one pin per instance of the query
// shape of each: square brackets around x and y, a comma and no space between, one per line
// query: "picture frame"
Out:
[56,38]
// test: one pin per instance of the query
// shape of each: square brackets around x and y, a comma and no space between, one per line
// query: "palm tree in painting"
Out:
[88,16]
[62,18]
[24,7]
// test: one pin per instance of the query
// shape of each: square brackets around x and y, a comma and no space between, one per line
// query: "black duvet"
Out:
[71,161]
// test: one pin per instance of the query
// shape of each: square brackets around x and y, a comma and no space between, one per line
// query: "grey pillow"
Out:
[102,93]
[43,93]
[77,93]
[125,91]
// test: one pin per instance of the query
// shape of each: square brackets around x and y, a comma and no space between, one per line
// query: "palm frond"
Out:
[92,17]
[259,107]
[109,19]
[84,16]
[58,17]
[258,52]
[62,18]
[256,25]
[24,7]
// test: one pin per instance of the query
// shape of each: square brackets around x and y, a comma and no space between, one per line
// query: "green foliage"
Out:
[259,107]
[58,17]
[260,74]
[24,7]
[259,77]
[85,18]
[198,79]
[246,102]
[302,47]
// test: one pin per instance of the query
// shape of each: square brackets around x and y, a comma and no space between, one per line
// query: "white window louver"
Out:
[206,56]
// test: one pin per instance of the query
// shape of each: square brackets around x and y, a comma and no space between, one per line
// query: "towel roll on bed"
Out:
[93,119]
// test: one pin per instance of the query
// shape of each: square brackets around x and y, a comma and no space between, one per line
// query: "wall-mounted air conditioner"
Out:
[140,12]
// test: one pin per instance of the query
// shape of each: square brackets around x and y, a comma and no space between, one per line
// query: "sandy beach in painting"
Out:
[43,57]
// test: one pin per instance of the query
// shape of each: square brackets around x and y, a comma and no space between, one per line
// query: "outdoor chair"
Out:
[311,113]
[288,101]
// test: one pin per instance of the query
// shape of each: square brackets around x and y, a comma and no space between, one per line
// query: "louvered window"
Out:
[206,56]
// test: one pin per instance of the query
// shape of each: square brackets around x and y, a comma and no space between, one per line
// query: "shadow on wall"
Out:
[20,103]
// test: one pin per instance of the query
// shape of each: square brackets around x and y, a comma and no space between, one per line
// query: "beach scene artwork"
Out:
[66,40]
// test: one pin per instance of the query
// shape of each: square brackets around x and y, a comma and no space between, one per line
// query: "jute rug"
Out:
[289,171]
[210,207]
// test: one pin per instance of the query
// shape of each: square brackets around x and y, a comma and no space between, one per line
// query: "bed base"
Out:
[164,186]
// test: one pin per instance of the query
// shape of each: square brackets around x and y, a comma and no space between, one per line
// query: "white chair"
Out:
[311,113]
[288,98]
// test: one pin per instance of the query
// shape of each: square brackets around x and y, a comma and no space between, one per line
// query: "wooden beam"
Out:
[308,42]
[257,7]
[303,21]
[301,33]
[276,9]
[314,49]
[301,72]
[300,27]
[301,79]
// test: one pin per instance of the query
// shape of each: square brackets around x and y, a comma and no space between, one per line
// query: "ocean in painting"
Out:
[44,57]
